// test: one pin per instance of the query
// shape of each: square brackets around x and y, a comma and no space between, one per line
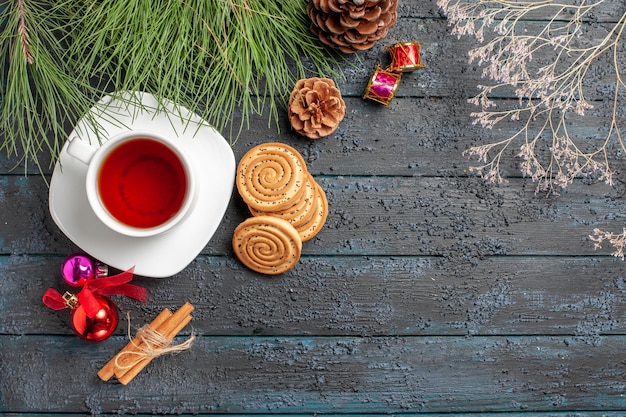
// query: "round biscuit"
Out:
[267,245]
[271,176]
[311,228]
[301,211]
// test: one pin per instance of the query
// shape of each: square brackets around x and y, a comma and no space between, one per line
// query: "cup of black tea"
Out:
[138,183]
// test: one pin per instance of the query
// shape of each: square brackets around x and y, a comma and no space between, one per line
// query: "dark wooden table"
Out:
[428,292]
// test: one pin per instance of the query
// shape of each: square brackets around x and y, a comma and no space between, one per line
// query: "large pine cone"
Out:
[351,25]
[316,107]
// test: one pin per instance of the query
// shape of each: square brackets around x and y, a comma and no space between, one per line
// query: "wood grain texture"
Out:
[336,374]
[390,215]
[580,298]
[400,140]
[427,293]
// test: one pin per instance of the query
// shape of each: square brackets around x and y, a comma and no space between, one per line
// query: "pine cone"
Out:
[351,25]
[316,107]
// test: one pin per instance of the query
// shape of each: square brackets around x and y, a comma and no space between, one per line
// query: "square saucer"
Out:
[166,254]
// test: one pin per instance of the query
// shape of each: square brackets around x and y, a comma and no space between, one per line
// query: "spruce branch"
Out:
[22,30]
[215,57]
[40,96]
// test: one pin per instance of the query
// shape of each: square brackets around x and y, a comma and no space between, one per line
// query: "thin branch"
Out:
[22,30]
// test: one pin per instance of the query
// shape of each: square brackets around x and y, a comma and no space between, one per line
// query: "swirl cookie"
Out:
[302,209]
[311,228]
[268,245]
[271,176]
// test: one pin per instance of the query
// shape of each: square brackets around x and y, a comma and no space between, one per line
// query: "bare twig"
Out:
[549,94]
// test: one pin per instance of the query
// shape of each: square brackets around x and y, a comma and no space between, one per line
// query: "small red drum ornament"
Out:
[405,57]
[382,86]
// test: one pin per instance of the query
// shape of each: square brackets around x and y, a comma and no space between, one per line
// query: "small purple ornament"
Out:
[382,86]
[77,269]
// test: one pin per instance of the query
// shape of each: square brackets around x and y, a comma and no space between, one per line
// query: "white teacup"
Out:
[138,183]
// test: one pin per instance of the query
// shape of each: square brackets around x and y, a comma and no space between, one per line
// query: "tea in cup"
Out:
[138,183]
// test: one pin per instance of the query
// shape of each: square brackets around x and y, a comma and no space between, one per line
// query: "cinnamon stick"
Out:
[169,328]
[131,373]
[164,329]
[108,370]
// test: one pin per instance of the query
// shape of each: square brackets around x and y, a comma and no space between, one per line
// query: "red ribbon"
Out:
[114,285]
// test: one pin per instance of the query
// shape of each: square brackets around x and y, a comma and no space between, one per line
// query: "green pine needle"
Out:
[214,57]
[38,94]
[218,58]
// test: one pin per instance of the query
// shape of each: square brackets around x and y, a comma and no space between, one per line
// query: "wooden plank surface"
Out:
[386,215]
[580,298]
[328,374]
[427,293]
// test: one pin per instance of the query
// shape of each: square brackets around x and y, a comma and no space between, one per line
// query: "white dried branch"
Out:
[548,93]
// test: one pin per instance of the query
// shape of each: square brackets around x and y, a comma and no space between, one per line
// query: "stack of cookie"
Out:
[287,204]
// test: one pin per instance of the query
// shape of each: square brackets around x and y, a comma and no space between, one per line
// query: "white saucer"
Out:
[166,254]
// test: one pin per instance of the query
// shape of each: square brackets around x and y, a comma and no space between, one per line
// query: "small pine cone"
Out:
[351,25]
[316,107]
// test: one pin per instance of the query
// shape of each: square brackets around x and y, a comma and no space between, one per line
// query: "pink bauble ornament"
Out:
[77,269]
